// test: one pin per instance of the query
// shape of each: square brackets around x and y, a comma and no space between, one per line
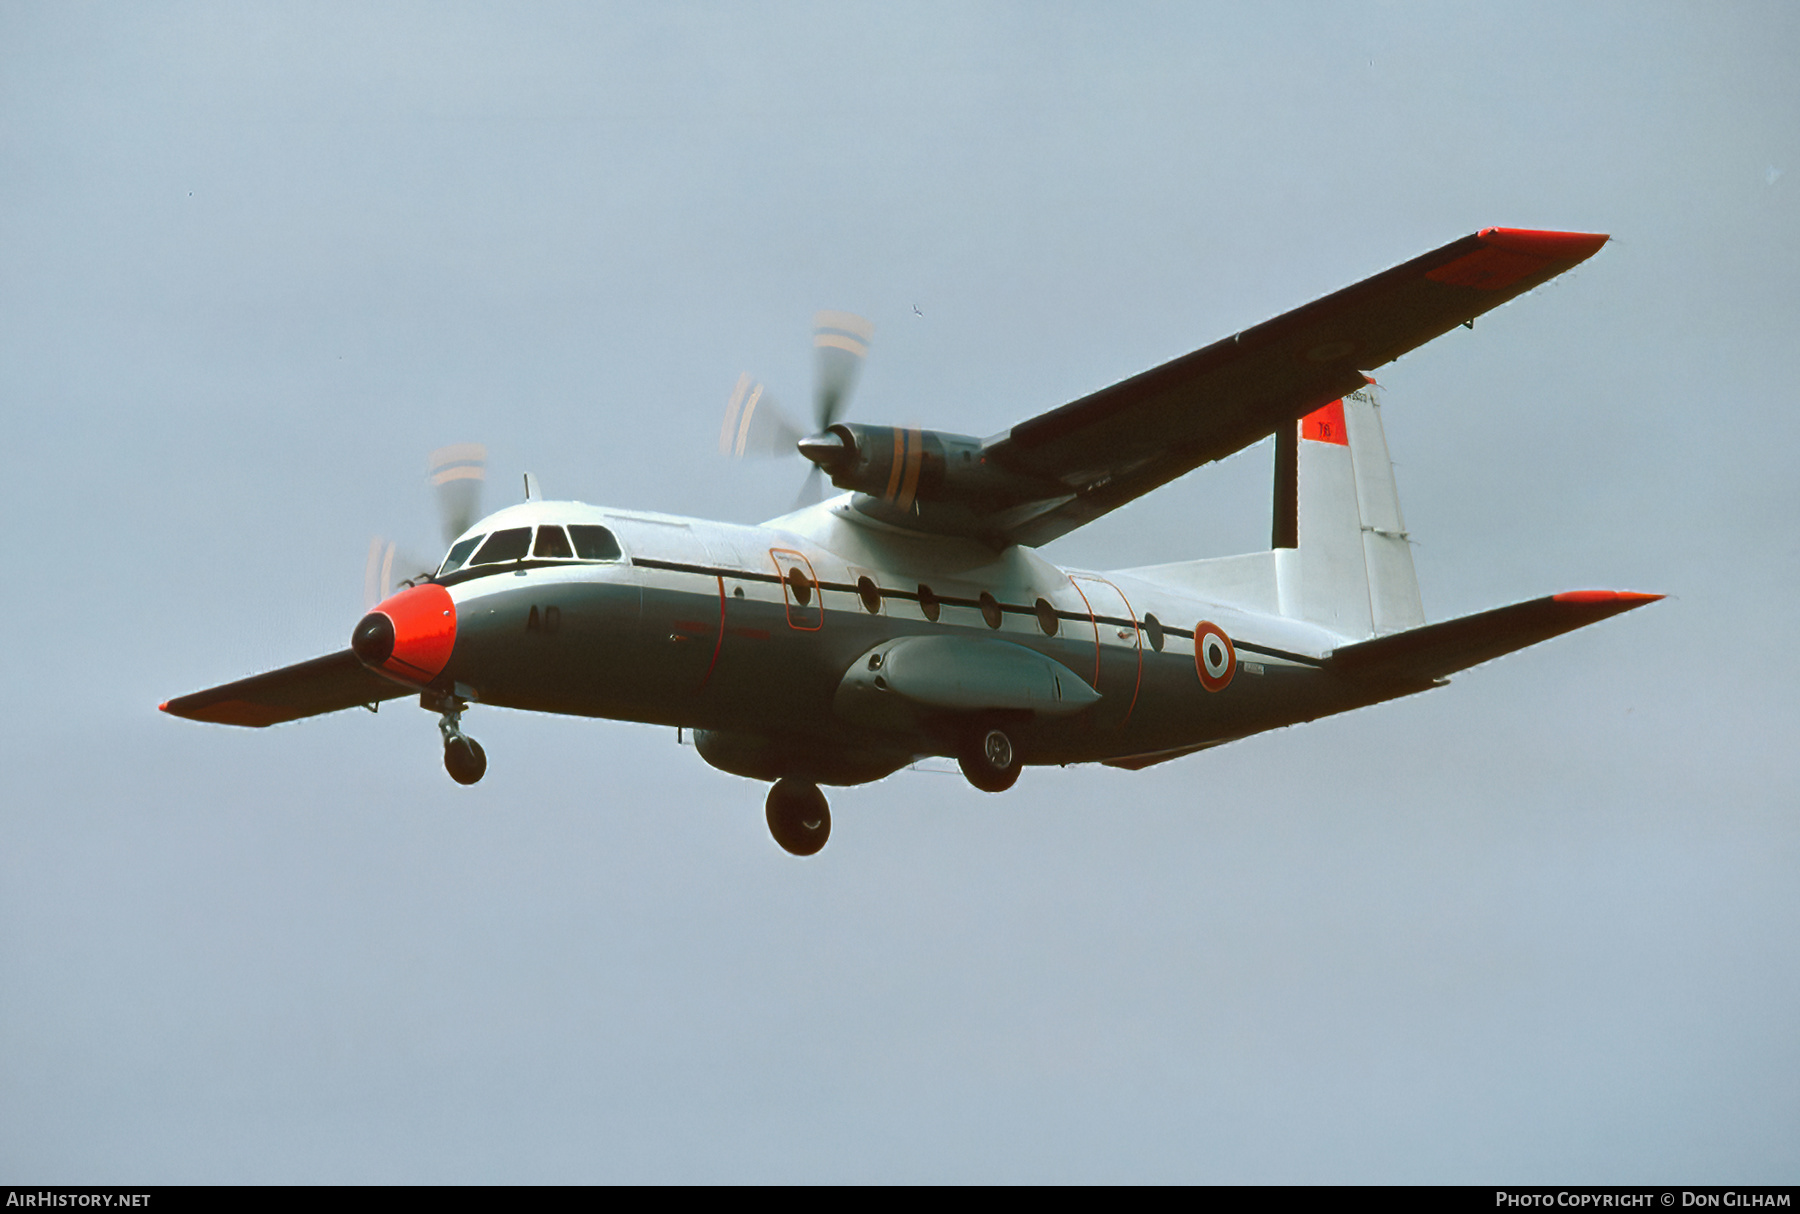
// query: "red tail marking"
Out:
[1326,425]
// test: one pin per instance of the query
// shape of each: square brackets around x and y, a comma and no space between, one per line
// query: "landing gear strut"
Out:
[990,760]
[463,757]
[798,817]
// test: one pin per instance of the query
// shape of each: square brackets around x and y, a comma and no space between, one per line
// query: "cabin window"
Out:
[928,603]
[800,584]
[870,594]
[1154,630]
[508,545]
[1046,615]
[990,610]
[594,543]
[458,554]
[551,542]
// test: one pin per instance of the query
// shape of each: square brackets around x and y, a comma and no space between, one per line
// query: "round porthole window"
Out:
[990,610]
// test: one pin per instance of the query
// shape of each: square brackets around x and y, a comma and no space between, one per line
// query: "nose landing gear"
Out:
[798,817]
[463,757]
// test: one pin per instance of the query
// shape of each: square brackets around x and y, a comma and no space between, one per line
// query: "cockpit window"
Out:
[595,543]
[458,555]
[552,542]
[508,545]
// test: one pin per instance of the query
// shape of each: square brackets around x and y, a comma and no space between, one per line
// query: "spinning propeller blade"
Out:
[386,567]
[456,473]
[755,425]
[840,343]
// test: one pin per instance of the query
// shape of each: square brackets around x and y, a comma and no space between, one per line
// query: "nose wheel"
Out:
[463,757]
[465,760]
[798,817]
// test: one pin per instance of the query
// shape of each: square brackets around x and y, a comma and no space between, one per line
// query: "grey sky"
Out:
[256,261]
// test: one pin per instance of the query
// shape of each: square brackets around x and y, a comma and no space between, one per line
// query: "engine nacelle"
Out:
[900,469]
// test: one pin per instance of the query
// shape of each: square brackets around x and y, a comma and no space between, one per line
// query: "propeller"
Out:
[456,474]
[755,425]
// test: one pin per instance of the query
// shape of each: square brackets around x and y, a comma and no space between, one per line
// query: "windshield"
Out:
[458,554]
[508,545]
[595,543]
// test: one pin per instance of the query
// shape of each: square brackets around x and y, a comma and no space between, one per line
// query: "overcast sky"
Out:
[255,261]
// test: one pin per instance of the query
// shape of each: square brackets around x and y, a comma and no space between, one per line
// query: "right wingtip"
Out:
[1554,246]
[1632,598]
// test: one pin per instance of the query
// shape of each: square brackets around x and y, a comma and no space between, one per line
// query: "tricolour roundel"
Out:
[1214,657]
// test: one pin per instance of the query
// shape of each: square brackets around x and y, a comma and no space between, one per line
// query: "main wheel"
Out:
[465,760]
[990,760]
[798,817]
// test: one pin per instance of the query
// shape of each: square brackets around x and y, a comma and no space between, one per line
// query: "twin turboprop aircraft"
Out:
[911,617]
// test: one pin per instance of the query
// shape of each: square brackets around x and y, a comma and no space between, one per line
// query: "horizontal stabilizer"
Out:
[328,684]
[1437,650]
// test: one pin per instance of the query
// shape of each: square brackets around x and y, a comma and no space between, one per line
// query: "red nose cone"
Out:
[421,623]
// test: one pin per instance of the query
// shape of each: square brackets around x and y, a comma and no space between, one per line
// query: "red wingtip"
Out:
[163,707]
[1557,246]
[1606,596]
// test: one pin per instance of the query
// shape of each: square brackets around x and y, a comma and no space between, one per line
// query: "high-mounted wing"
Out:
[1049,475]
[328,684]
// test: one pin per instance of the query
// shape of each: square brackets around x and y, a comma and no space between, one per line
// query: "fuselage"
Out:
[766,640]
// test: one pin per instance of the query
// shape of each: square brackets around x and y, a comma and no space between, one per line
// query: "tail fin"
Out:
[1341,554]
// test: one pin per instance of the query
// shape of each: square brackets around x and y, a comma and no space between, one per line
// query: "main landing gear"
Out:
[463,757]
[798,817]
[989,759]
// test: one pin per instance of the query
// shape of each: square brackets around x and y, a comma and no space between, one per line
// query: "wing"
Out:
[328,684]
[1099,452]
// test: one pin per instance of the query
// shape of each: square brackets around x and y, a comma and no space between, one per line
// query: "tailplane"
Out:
[1425,655]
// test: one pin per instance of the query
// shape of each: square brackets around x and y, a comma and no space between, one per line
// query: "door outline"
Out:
[814,611]
[1137,636]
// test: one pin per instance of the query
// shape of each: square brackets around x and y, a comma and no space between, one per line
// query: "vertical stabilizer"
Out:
[1350,567]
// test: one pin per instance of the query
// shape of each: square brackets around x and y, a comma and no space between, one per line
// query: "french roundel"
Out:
[1214,656]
